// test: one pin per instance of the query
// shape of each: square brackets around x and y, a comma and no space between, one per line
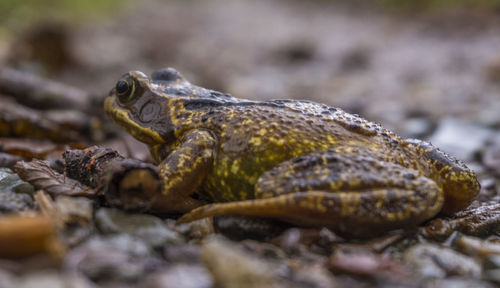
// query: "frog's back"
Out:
[256,136]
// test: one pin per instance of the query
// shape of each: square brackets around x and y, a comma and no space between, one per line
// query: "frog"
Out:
[297,161]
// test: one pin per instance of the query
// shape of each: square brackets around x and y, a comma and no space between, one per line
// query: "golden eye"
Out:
[125,89]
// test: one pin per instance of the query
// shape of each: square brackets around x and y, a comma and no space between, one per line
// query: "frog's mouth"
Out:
[121,116]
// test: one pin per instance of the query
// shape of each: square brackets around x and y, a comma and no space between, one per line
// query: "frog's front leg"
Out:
[351,192]
[183,171]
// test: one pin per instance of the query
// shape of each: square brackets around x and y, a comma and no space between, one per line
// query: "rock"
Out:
[492,262]
[199,229]
[10,181]
[477,247]
[15,194]
[417,127]
[491,155]
[8,280]
[231,266]
[460,138]
[74,216]
[489,115]
[369,265]
[432,261]
[13,202]
[457,282]
[74,210]
[493,275]
[53,279]
[116,257]
[181,275]
[149,228]
[184,253]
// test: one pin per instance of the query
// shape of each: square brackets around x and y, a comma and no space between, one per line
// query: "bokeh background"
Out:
[423,68]
[410,65]
[387,60]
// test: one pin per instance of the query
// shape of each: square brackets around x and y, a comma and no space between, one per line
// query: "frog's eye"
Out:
[125,89]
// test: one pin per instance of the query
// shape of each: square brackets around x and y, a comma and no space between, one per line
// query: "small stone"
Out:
[116,257]
[457,282]
[181,275]
[73,210]
[492,262]
[53,279]
[369,265]
[8,280]
[231,266]
[460,138]
[432,261]
[492,275]
[477,247]
[74,216]
[417,127]
[149,228]
[13,202]
[491,155]
[15,194]
[10,181]
[184,253]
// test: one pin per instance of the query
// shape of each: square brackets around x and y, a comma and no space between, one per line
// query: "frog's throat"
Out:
[122,118]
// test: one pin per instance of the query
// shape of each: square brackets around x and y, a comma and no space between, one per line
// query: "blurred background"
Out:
[390,61]
[428,69]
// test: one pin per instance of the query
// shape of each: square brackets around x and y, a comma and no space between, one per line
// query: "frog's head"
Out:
[154,110]
[459,183]
[139,106]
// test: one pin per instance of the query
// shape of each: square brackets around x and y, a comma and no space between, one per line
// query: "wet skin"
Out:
[297,161]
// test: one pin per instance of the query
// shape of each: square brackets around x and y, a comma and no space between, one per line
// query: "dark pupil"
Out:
[121,87]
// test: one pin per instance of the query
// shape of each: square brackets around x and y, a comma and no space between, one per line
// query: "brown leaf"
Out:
[39,174]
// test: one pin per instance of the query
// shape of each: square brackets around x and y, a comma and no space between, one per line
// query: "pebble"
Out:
[433,261]
[231,266]
[114,257]
[181,275]
[150,229]
[491,155]
[460,138]
[417,127]
[15,194]
[74,215]
[457,282]
[8,280]
[184,253]
[11,181]
[54,279]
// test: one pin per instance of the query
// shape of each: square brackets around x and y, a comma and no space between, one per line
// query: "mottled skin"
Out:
[297,161]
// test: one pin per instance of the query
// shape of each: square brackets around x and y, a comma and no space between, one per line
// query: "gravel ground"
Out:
[421,75]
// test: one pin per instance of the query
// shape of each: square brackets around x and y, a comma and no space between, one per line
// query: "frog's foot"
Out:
[353,213]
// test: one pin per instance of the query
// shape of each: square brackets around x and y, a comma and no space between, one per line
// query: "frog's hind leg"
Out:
[356,214]
[349,191]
